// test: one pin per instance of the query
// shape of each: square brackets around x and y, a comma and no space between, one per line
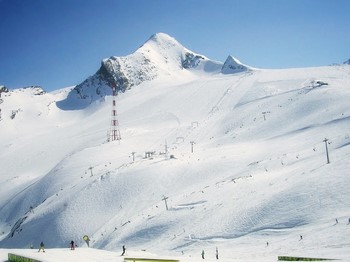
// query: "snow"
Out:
[257,173]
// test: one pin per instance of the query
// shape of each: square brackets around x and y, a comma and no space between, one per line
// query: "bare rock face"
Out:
[3,89]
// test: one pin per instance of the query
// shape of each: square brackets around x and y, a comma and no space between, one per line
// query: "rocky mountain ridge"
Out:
[160,56]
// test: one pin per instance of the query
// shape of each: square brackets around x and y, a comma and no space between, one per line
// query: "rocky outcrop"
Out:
[233,65]
[3,89]
[192,60]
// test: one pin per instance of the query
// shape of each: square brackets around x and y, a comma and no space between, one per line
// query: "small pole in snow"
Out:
[166,204]
[133,156]
[166,149]
[192,143]
[264,114]
[91,170]
[325,142]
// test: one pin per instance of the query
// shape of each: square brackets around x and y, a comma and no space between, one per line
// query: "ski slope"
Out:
[257,173]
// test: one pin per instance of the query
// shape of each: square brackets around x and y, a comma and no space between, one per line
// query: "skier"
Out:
[301,237]
[42,247]
[349,221]
[203,254]
[123,250]
[336,221]
[217,253]
[72,246]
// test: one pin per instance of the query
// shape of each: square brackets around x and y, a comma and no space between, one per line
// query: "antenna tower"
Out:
[114,133]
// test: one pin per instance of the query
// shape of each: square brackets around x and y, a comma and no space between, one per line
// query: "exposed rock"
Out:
[233,65]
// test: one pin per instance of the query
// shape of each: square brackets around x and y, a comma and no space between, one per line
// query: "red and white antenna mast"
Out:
[114,132]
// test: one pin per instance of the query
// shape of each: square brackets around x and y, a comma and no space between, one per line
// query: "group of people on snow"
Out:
[216,253]
[72,245]
[87,240]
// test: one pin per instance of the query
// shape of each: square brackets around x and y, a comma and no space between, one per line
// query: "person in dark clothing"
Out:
[72,246]
[42,247]
[124,249]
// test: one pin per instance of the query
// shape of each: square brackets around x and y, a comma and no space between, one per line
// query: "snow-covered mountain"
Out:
[160,56]
[347,62]
[235,159]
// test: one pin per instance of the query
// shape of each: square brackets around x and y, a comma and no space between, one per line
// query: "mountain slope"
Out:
[256,171]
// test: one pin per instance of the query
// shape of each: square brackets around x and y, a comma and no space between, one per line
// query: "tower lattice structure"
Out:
[114,133]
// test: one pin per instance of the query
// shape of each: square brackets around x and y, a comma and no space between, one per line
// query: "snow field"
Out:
[253,177]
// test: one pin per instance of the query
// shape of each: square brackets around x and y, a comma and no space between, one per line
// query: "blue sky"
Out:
[59,43]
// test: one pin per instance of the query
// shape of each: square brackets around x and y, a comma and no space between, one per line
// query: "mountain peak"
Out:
[161,37]
[233,65]
[160,56]
[161,46]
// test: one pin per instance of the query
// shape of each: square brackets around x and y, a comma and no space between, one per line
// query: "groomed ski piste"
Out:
[240,159]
